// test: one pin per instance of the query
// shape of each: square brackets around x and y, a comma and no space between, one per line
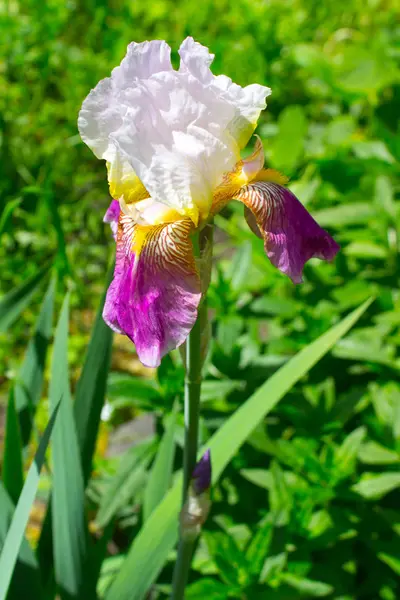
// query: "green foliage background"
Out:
[318,481]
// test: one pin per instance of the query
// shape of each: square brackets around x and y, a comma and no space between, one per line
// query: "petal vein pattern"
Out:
[155,292]
[291,236]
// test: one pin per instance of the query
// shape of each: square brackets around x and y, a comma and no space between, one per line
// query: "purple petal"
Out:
[112,216]
[154,296]
[201,478]
[291,236]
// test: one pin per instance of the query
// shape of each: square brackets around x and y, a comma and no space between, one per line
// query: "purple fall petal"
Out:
[112,216]
[201,477]
[291,236]
[153,297]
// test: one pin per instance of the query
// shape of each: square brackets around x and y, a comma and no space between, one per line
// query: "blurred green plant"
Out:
[306,504]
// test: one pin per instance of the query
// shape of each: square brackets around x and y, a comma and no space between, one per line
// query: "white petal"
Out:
[248,101]
[173,128]
[174,134]
[101,112]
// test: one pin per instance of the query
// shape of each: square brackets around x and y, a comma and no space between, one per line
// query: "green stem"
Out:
[194,363]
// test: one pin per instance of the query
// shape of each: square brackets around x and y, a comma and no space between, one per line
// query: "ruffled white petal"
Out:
[178,131]
[248,101]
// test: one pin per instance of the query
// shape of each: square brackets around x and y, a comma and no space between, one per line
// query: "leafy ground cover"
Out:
[307,504]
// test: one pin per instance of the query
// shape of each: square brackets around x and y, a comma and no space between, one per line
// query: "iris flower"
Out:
[171,140]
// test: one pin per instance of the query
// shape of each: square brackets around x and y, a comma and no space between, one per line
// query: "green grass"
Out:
[306,499]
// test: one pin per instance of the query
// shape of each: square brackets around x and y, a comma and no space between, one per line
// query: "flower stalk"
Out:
[194,358]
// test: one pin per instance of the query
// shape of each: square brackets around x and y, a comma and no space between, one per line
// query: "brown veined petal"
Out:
[291,236]
[155,292]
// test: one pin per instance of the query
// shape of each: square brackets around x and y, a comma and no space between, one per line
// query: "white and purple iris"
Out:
[172,142]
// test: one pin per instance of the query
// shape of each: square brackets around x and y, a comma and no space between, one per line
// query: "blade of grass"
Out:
[161,471]
[67,506]
[25,581]
[13,474]
[29,383]
[91,388]
[157,537]
[15,302]
[20,518]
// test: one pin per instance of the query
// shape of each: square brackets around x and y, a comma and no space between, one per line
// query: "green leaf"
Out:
[157,537]
[29,382]
[15,302]
[346,214]
[372,453]
[239,268]
[25,582]
[373,149]
[15,535]
[287,148]
[258,547]
[347,453]
[315,589]
[91,388]
[373,486]
[260,477]
[13,474]
[161,472]
[392,561]
[7,212]
[231,562]
[384,196]
[68,524]
[132,390]
[129,479]
[207,588]
[280,498]
[218,389]
[282,307]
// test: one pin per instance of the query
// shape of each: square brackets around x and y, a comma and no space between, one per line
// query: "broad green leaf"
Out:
[13,476]
[239,268]
[260,477]
[207,588]
[161,472]
[7,212]
[91,388]
[16,301]
[258,547]
[346,214]
[373,149]
[372,453]
[384,196]
[282,307]
[287,147]
[132,390]
[29,382]
[347,453]
[366,249]
[375,486]
[218,389]
[129,479]
[157,537]
[230,560]
[15,535]
[313,589]
[67,508]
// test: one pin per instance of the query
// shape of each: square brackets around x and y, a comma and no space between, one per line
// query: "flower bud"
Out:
[197,506]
